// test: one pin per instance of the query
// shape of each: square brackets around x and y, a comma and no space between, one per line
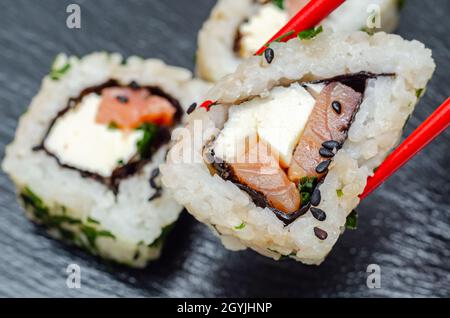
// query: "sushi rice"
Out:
[124,227]
[387,103]
[220,49]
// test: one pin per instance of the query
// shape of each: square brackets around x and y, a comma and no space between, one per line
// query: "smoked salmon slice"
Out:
[329,121]
[260,170]
[129,108]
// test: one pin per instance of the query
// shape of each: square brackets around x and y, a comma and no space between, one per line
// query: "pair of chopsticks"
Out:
[309,17]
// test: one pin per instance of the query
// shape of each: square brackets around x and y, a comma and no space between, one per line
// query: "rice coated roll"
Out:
[237,29]
[86,155]
[277,160]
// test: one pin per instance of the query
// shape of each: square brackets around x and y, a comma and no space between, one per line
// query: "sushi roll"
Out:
[237,29]
[86,155]
[276,160]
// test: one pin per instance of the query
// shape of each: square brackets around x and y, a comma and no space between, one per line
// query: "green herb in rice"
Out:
[306,187]
[164,233]
[279,3]
[143,145]
[240,226]
[56,73]
[69,228]
[352,220]
[310,34]
[419,92]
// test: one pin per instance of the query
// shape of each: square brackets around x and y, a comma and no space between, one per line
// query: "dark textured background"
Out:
[404,226]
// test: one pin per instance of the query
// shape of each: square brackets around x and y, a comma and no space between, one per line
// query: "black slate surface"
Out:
[404,226]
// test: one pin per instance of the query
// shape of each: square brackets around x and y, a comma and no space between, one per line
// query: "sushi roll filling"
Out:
[256,29]
[285,176]
[268,15]
[110,131]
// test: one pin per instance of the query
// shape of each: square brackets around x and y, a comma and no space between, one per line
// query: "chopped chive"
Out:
[55,222]
[340,193]
[352,220]
[309,34]
[306,187]
[279,3]
[306,197]
[282,37]
[419,92]
[143,145]
[91,220]
[286,257]
[57,73]
[67,235]
[164,233]
[368,31]
[91,234]
[374,19]
[240,227]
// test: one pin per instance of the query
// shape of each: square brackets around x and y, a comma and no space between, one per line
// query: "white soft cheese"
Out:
[278,119]
[260,28]
[78,141]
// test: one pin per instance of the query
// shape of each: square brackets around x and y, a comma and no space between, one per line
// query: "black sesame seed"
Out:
[331,145]
[122,99]
[337,107]
[326,153]
[323,166]
[321,234]
[134,85]
[319,214]
[269,54]
[192,108]
[316,197]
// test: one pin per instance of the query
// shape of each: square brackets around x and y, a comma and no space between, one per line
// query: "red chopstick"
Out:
[307,18]
[419,139]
